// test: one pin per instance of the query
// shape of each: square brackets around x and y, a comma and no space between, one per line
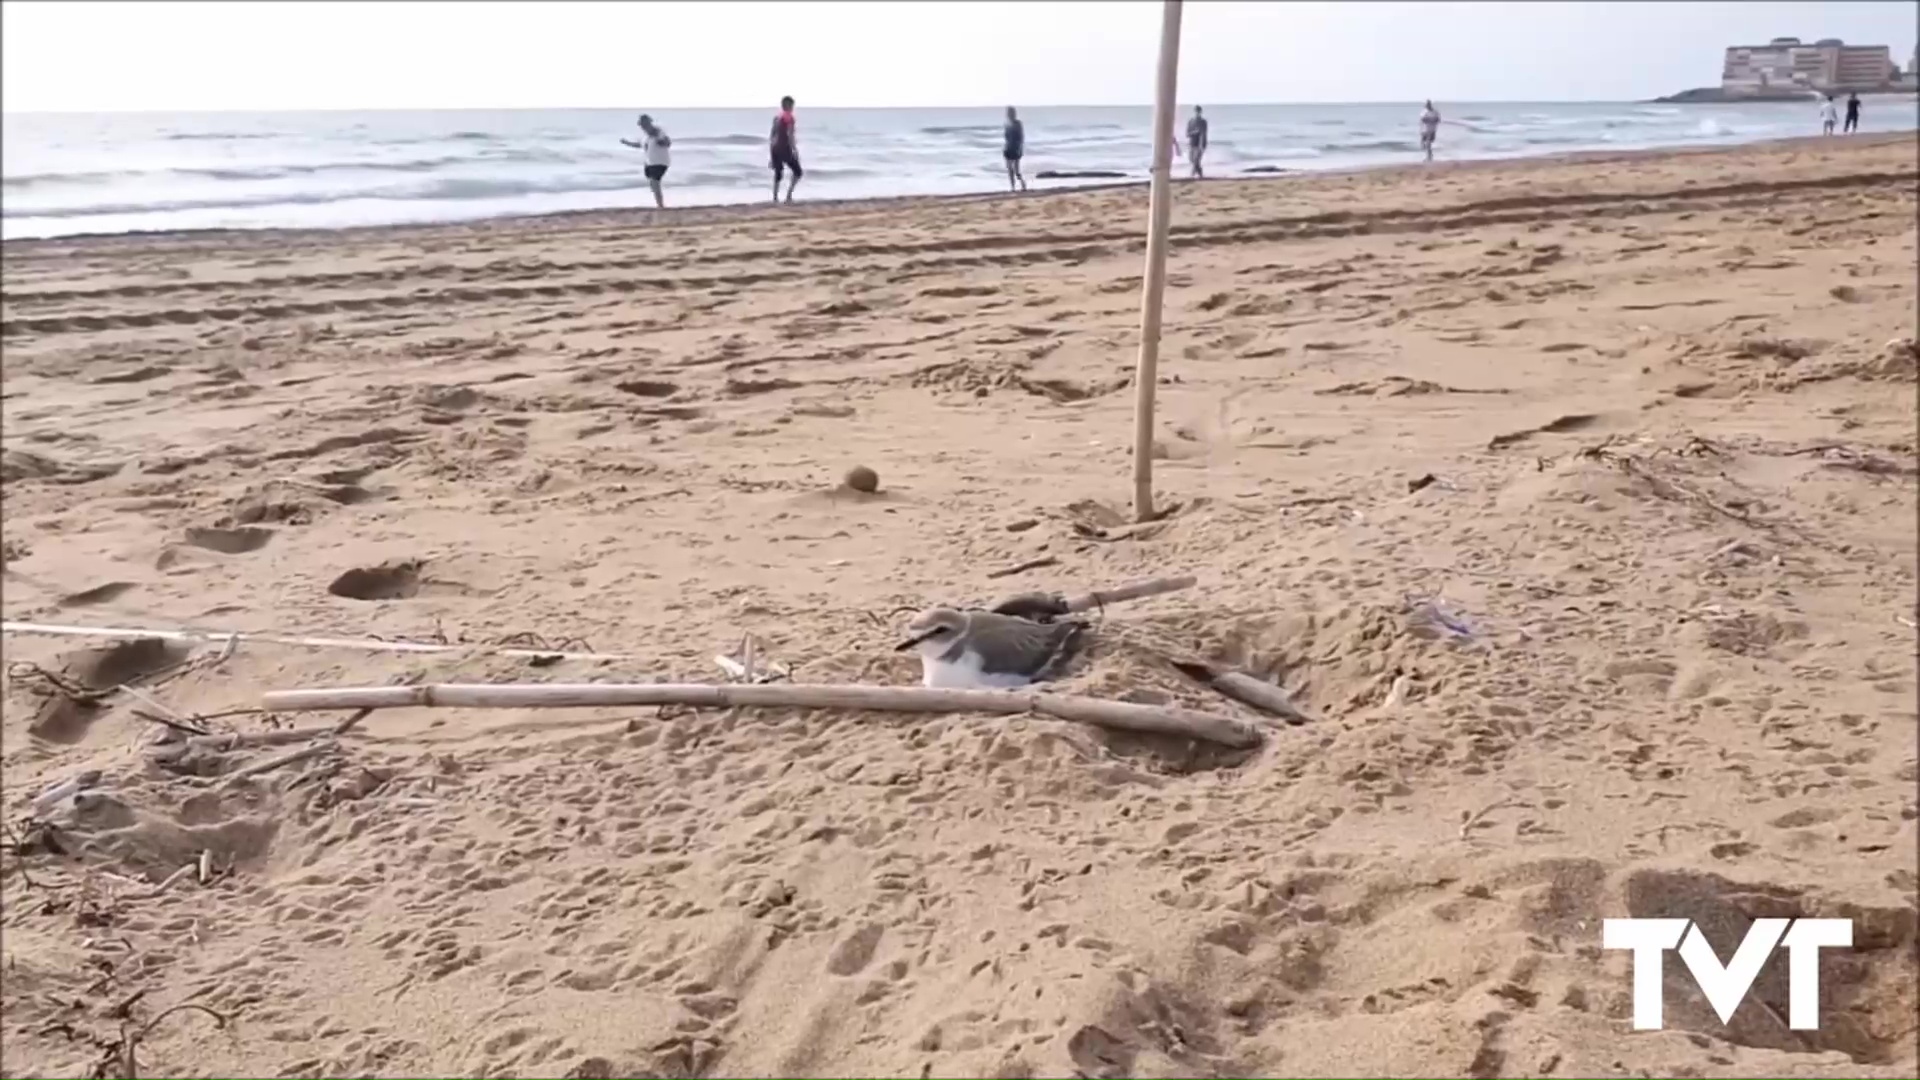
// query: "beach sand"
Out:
[1643,423]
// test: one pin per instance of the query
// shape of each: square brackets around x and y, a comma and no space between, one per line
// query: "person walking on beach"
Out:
[1853,114]
[1829,116]
[784,149]
[658,149]
[1429,128]
[1196,141]
[1014,149]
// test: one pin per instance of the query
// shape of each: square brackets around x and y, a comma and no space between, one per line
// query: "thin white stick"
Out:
[1125,716]
[1153,290]
[231,637]
[313,749]
[158,706]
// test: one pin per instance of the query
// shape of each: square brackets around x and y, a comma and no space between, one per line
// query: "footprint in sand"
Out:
[238,541]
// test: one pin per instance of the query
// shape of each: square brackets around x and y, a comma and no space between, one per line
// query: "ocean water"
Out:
[72,174]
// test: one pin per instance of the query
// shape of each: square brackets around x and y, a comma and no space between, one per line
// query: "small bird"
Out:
[980,650]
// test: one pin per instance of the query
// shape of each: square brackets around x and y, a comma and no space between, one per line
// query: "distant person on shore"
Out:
[659,155]
[1014,149]
[1853,113]
[783,148]
[1829,116]
[1429,128]
[1196,141]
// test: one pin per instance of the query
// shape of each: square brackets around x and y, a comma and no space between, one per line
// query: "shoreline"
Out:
[728,212]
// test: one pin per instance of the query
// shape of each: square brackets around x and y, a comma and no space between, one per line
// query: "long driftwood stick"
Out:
[1118,715]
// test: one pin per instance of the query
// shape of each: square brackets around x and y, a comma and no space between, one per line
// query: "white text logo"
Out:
[1725,987]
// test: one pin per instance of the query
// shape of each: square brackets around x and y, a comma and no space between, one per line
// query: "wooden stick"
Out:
[1260,694]
[1136,591]
[312,749]
[1245,689]
[44,802]
[231,638]
[1030,564]
[1123,716]
[239,739]
[1153,286]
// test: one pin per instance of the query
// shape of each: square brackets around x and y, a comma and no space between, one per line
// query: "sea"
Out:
[72,174]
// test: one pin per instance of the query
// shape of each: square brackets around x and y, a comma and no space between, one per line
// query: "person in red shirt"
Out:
[783,149]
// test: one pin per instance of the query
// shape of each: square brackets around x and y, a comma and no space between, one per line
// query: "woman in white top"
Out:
[1829,115]
[659,155]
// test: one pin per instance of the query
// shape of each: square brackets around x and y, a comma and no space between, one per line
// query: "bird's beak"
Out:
[912,641]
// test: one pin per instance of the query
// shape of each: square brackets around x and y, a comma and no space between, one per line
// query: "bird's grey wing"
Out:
[1062,644]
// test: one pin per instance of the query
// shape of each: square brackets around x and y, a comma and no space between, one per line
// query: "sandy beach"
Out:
[1641,425]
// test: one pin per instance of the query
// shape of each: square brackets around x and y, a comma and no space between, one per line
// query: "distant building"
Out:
[1785,64]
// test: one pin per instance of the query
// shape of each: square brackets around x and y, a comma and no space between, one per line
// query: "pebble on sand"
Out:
[862,479]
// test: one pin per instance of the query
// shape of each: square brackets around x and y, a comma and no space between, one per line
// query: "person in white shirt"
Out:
[1196,141]
[658,148]
[1429,128]
[1829,115]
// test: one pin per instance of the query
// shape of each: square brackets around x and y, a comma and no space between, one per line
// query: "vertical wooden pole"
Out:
[1154,285]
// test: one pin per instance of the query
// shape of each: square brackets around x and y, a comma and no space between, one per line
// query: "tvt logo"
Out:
[1726,986]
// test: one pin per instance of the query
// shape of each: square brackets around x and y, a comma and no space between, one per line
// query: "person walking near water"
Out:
[1429,128]
[1853,114]
[1829,116]
[1196,141]
[658,149]
[784,149]
[1014,149]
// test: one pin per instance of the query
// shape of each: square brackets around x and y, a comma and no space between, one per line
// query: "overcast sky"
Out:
[153,55]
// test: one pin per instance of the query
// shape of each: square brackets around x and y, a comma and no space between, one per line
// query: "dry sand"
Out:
[1689,689]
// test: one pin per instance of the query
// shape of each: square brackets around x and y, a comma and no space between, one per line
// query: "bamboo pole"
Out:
[1154,286]
[1117,715]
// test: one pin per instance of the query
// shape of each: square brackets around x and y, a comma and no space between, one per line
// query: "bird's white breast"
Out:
[965,674]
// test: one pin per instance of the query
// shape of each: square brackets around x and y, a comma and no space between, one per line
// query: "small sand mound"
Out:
[648,388]
[236,541]
[63,717]
[117,832]
[388,581]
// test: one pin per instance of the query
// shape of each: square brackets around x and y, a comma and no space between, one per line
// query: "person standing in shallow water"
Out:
[1014,149]
[1196,141]
[1829,116]
[659,155]
[784,149]
[1429,128]
[1853,114]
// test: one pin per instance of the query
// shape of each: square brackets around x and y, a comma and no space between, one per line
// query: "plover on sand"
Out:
[979,650]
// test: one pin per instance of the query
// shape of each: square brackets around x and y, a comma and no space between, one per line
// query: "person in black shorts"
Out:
[784,150]
[1853,114]
[659,156]
[1014,148]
